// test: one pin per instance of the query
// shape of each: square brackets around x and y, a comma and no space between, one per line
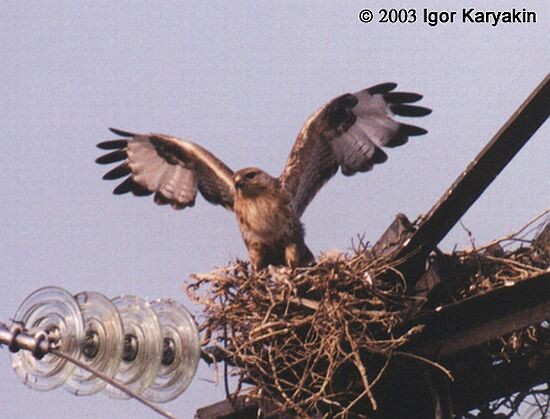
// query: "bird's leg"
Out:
[292,255]
[257,255]
[297,254]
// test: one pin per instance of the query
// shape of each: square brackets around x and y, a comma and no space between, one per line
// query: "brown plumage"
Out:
[348,132]
[272,232]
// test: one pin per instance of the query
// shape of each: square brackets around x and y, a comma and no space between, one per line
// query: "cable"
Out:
[114,383]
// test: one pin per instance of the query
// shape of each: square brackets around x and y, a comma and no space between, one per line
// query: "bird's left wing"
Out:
[171,168]
[348,132]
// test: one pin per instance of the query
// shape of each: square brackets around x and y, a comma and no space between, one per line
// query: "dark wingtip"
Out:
[411,130]
[403,133]
[382,88]
[129,185]
[402,97]
[112,157]
[379,156]
[397,141]
[121,132]
[118,172]
[408,110]
[112,144]
[124,187]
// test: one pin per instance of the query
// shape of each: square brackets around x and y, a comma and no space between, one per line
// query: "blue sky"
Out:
[240,79]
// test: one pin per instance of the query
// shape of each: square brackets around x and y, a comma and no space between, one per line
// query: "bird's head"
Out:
[252,181]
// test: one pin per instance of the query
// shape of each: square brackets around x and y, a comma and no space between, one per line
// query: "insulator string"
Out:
[73,329]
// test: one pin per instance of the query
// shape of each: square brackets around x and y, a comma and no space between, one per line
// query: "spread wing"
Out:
[171,168]
[348,132]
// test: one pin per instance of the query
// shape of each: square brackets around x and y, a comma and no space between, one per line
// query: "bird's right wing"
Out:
[171,168]
[348,132]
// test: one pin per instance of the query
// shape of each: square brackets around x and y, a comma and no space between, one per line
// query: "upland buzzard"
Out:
[347,133]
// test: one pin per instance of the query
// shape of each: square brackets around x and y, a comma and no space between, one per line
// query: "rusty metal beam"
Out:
[479,174]
[453,334]
[473,321]
[240,407]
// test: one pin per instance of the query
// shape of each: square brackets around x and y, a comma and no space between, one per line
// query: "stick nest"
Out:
[316,341]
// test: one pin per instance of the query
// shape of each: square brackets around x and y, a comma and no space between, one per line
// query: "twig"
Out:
[426,361]
[510,236]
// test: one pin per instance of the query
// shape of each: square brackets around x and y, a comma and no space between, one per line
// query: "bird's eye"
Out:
[250,175]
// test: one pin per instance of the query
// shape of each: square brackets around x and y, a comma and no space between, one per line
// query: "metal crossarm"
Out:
[479,174]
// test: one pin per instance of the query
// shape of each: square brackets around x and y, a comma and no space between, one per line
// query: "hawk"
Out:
[347,133]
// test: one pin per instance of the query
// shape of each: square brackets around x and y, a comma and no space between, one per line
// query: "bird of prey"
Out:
[347,133]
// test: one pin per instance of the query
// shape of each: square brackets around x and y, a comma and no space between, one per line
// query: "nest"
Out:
[316,341]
